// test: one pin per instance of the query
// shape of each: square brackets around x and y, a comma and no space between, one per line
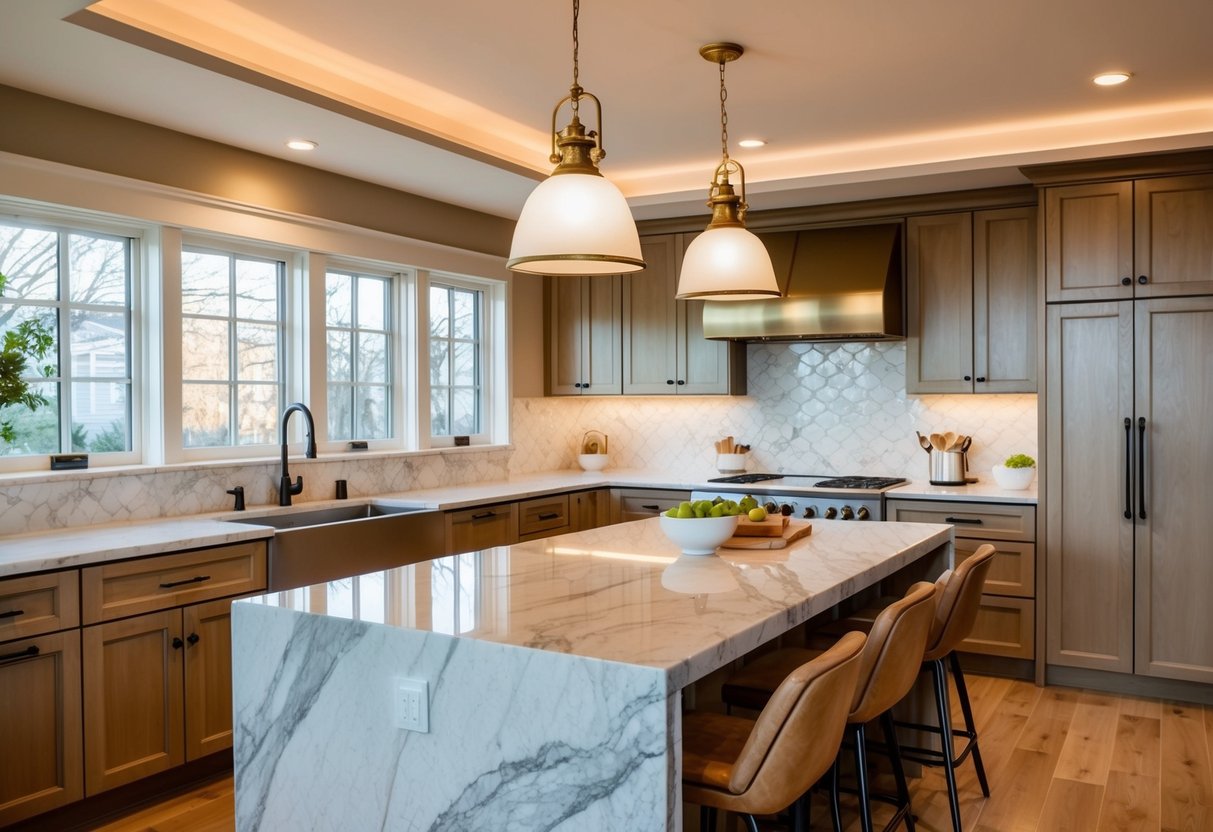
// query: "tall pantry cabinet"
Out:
[1129,447]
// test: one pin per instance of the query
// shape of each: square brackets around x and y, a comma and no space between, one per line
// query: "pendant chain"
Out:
[576,49]
[724,116]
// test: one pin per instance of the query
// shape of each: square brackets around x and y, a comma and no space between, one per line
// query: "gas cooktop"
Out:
[817,481]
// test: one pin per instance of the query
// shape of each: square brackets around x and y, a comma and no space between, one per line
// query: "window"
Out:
[456,333]
[358,336]
[231,348]
[80,282]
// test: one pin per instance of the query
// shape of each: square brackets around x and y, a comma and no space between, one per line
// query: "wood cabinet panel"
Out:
[1090,541]
[130,587]
[584,335]
[650,322]
[1013,570]
[40,725]
[1004,301]
[468,530]
[1089,241]
[639,504]
[543,517]
[1173,248]
[939,284]
[207,632]
[1004,627]
[37,604]
[590,509]
[133,705]
[984,521]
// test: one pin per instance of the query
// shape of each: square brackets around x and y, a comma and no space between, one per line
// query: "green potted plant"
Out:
[29,341]
[1016,472]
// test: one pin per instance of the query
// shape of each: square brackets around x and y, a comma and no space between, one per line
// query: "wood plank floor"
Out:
[1057,759]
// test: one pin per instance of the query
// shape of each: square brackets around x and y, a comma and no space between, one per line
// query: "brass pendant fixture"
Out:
[576,222]
[726,261]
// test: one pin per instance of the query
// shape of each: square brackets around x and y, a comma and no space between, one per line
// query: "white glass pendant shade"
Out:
[727,263]
[575,224]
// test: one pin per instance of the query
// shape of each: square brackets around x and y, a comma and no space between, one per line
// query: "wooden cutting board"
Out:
[771,527]
[794,530]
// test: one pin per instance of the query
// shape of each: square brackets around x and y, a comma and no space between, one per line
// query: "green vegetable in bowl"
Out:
[1020,461]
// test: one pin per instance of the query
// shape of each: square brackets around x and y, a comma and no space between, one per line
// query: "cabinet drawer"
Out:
[637,505]
[1004,627]
[543,516]
[1013,570]
[471,529]
[116,590]
[994,521]
[37,604]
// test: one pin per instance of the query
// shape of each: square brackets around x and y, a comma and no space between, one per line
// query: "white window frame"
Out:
[494,370]
[292,359]
[65,221]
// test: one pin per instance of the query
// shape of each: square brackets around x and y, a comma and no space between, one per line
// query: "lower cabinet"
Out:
[40,733]
[471,529]
[641,503]
[590,509]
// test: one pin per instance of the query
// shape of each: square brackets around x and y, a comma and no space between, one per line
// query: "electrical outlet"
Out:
[412,698]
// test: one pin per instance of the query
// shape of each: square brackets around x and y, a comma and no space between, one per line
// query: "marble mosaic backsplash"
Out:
[811,408]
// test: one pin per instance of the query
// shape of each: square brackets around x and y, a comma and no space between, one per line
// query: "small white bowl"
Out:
[730,463]
[699,535]
[1013,479]
[592,462]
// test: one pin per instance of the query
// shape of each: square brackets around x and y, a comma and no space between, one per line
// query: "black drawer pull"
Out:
[11,613]
[197,579]
[484,515]
[972,521]
[177,643]
[192,638]
[549,516]
[28,652]
[651,508]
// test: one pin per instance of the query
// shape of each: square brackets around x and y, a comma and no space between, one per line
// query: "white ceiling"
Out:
[453,100]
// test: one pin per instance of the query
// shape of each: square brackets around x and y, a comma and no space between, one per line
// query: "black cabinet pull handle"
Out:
[197,579]
[177,643]
[28,652]
[577,384]
[1128,468]
[1141,467]
[549,516]
[982,379]
[1142,279]
[651,508]
[669,381]
[585,386]
[484,515]
[968,378]
[680,381]
[1126,281]
[11,613]
[192,639]
[971,521]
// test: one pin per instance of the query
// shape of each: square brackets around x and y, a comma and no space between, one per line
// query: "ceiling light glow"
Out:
[302,144]
[752,142]
[1111,79]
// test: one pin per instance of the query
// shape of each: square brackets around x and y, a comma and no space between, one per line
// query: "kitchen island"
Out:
[554,673]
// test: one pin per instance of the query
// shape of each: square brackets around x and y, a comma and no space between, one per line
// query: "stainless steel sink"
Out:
[324,544]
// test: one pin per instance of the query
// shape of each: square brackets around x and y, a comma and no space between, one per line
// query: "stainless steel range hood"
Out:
[839,284]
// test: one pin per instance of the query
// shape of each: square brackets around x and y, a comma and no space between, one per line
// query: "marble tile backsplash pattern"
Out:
[812,408]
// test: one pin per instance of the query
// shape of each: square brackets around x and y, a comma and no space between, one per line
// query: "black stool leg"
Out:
[800,814]
[899,772]
[707,819]
[861,773]
[750,823]
[835,805]
[962,691]
[940,677]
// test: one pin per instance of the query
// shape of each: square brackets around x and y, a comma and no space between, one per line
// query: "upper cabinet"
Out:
[971,302]
[584,335]
[1121,240]
[664,351]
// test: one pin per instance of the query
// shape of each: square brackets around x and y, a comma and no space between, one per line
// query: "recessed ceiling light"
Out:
[752,142]
[1111,79]
[302,144]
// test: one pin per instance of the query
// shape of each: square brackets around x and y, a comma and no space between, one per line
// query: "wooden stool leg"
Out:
[861,773]
[962,691]
[899,772]
[940,677]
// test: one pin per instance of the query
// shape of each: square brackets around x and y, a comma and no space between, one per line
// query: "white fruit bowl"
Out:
[699,535]
[1013,479]
[592,462]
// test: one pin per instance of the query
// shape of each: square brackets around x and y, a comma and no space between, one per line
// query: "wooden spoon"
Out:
[937,441]
[949,441]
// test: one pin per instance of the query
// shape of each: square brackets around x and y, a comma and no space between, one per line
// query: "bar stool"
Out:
[889,665]
[762,766]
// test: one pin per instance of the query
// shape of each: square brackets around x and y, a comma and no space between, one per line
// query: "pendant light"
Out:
[726,262]
[576,222]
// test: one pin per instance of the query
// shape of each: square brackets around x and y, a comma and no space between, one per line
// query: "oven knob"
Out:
[831,513]
[848,513]
[863,513]
[771,506]
[809,512]
[786,510]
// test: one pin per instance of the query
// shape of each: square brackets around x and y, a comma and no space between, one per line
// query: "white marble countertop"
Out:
[624,593]
[67,548]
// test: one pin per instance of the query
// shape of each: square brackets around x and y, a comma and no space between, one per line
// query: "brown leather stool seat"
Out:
[762,766]
[889,665]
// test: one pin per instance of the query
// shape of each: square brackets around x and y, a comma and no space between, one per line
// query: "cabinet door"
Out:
[133,722]
[1090,541]
[1174,395]
[1174,236]
[1004,301]
[650,321]
[40,725]
[208,677]
[567,335]
[939,283]
[590,509]
[1089,242]
[472,529]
